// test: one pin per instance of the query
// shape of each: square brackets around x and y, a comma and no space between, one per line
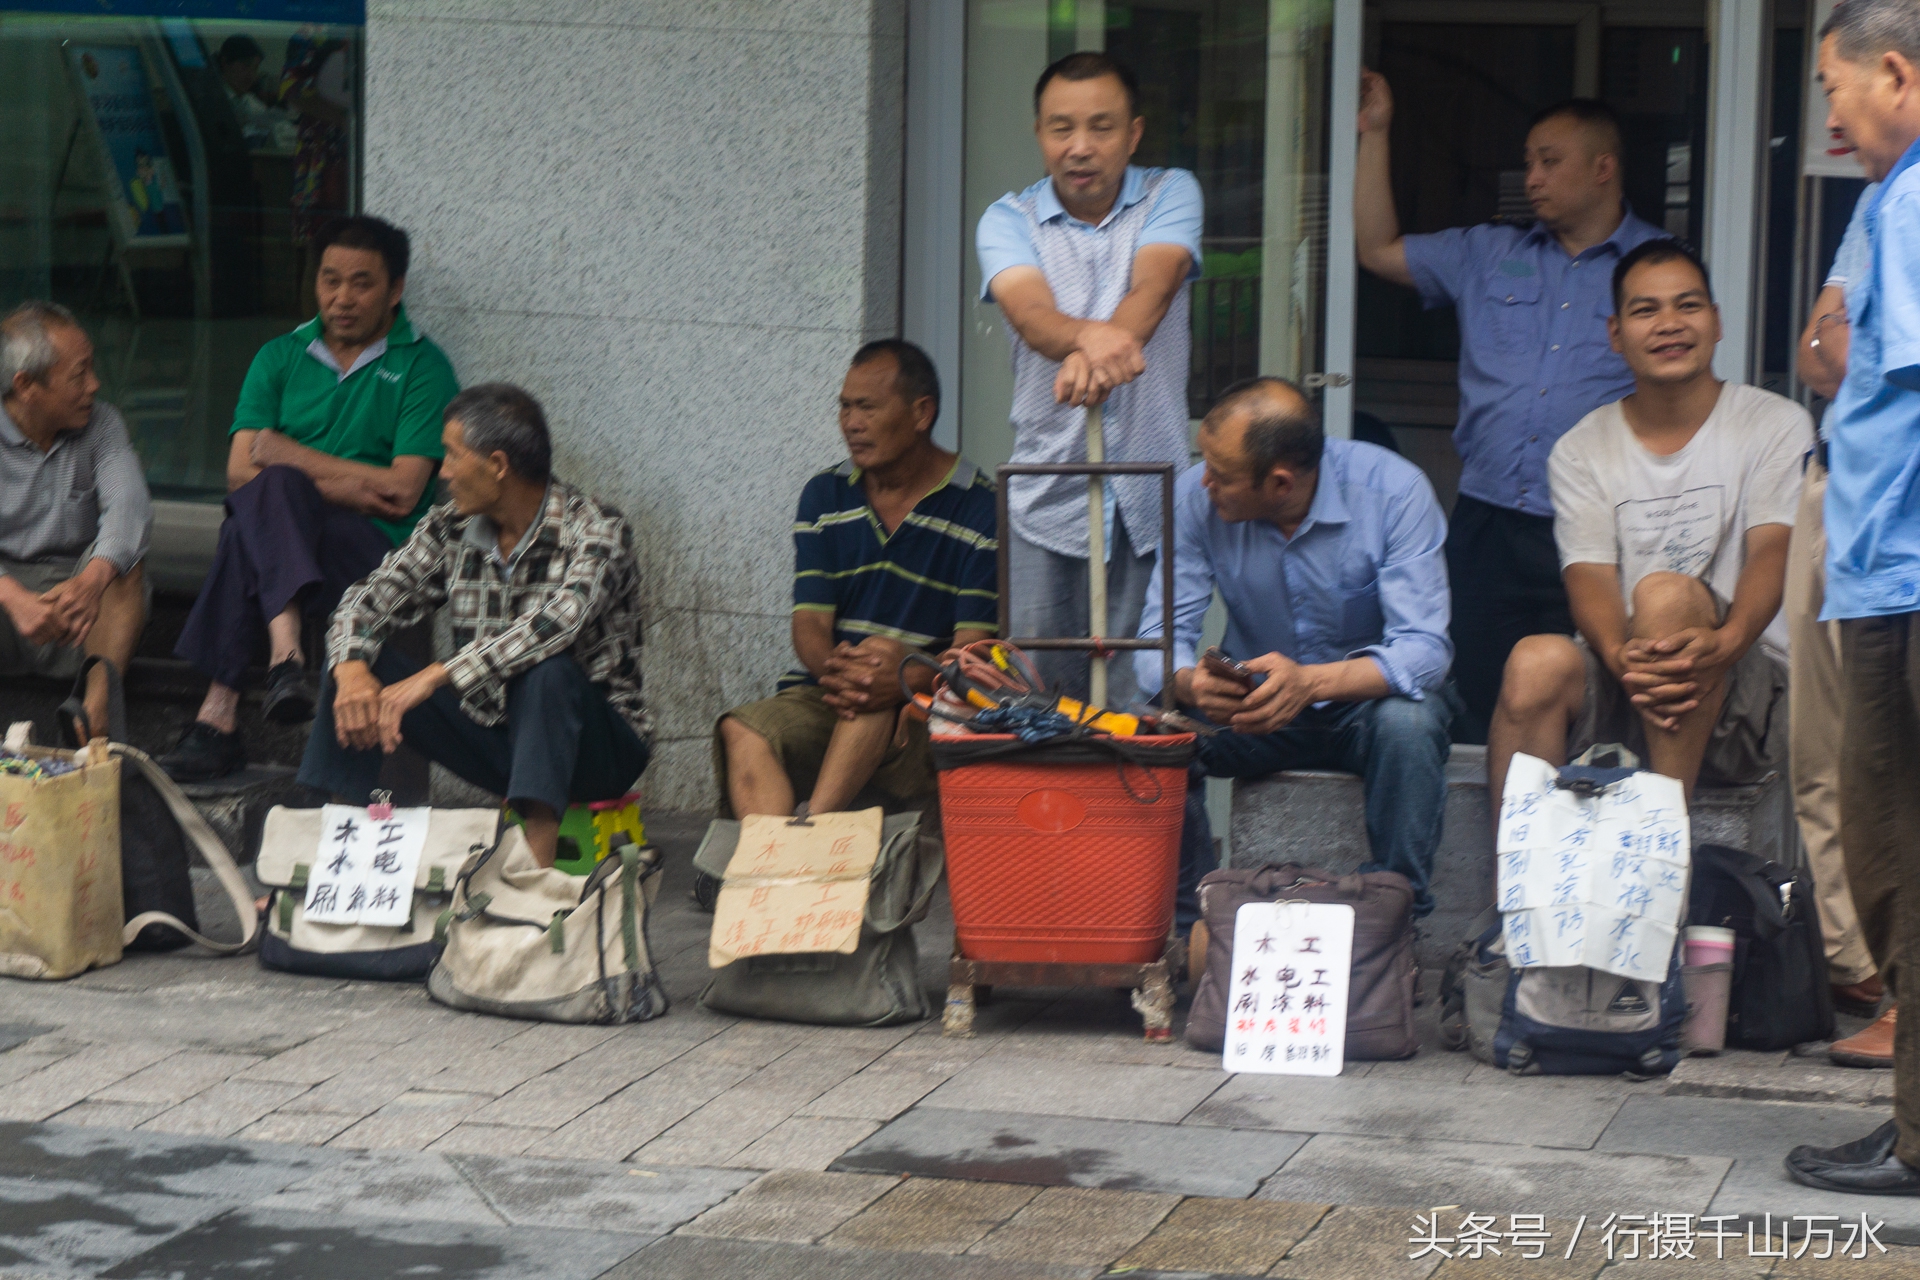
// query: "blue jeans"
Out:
[1398,747]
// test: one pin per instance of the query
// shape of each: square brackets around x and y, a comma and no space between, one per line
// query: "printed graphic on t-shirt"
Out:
[1677,534]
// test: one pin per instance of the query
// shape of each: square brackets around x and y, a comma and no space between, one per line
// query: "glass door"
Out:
[1241,93]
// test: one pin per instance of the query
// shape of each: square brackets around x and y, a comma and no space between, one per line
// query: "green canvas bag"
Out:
[879,983]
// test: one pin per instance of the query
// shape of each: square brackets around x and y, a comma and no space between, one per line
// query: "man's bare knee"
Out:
[1542,672]
[1666,602]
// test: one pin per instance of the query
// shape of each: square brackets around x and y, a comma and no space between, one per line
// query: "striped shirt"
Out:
[571,586]
[933,575]
[88,490]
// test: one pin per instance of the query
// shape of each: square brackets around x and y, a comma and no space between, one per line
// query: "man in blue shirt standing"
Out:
[1328,554]
[1533,303]
[1090,266]
[1870,71]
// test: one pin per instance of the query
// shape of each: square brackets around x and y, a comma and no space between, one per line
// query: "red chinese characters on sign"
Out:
[1288,995]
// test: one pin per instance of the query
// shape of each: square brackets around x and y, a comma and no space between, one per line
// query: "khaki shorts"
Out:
[798,724]
[20,656]
[1748,743]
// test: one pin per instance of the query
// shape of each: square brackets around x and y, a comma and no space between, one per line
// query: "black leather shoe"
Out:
[1872,1149]
[204,754]
[1873,1174]
[292,694]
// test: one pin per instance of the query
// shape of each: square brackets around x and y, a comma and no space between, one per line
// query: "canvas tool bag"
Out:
[63,906]
[289,848]
[526,941]
[1380,1000]
[874,980]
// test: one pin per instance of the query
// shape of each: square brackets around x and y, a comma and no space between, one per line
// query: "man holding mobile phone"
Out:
[1330,555]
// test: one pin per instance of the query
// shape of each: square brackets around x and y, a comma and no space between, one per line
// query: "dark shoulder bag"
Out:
[1780,995]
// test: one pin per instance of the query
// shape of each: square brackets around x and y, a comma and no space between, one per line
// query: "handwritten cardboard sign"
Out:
[363,871]
[1287,994]
[793,888]
[1595,881]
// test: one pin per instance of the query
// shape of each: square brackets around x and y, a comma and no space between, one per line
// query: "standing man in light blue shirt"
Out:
[1870,71]
[1090,267]
[1533,303]
[1330,557]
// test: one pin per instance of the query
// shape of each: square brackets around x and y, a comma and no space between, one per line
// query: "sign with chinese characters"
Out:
[1287,994]
[1598,881]
[795,887]
[363,873]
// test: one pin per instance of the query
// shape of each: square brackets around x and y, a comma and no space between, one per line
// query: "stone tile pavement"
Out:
[181,1116]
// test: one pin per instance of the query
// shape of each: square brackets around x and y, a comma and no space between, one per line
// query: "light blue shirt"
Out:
[1873,428]
[1364,574]
[1003,238]
[1534,355]
[1089,268]
[1851,260]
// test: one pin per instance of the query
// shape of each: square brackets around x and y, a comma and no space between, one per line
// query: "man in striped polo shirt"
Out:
[894,551]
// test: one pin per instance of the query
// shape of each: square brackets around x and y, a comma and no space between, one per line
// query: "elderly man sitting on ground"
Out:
[894,551]
[540,701]
[75,516]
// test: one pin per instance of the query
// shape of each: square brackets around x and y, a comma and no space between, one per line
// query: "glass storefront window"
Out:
[165,166]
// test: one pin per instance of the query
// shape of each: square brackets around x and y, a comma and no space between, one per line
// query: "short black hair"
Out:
[1596,115]
[1274,438]
[1089,65]
[240,48]
[1658,250]
[362,231]
[914,375]
[498,417]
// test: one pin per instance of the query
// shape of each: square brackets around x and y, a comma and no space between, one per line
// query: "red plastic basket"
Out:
[1068,862]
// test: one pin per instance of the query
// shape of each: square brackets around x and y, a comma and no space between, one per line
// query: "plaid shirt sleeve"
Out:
[585,591]
[409,584]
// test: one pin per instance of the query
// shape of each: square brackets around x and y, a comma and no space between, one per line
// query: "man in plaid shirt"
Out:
[540,701]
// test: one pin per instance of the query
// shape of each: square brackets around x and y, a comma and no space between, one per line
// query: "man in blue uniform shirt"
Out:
[1533,303]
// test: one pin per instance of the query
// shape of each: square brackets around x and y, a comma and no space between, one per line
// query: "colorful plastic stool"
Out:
[587,830]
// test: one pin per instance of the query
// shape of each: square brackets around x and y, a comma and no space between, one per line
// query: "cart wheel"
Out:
[957,1021]
[1154,1003]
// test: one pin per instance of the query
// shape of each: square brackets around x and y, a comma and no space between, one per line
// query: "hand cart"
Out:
[1099,856]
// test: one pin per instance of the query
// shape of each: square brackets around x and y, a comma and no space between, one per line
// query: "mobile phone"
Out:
[1219,664]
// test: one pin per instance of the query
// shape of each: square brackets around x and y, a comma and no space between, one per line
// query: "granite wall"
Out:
[672,221]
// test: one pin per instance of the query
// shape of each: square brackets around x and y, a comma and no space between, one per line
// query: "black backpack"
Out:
[1780,995]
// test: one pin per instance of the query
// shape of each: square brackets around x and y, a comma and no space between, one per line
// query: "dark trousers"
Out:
[281,542]
[561,741]
[1505,573]
[1398,747]
[1880,826]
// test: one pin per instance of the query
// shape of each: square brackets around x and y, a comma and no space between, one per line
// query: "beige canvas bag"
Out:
[526,941]
[289,847]
[60,904]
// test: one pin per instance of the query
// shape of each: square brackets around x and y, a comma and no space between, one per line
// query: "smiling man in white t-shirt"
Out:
[1672,510]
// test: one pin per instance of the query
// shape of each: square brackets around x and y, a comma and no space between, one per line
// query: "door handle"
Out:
[1316,380]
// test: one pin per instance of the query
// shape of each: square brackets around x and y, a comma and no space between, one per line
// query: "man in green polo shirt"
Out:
[334,446]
